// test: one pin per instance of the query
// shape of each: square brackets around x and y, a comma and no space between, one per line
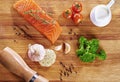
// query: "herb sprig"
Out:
[34,14]
[89,50]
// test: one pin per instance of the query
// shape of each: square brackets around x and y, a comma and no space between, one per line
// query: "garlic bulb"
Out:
[36,52]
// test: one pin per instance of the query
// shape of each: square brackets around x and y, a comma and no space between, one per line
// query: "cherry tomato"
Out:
[77,18]
[77,7]
[67,13]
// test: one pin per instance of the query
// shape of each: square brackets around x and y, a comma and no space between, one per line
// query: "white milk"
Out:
[101,13]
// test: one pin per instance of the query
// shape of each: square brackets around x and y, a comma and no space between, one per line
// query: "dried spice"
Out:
[75,33]
[20,31]
[71,38]
[66,70]
[14,40]
[61,78]
[62,64]
[26,27]
[72,66]
[70,32]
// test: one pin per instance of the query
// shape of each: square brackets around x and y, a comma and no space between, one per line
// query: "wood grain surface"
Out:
[17,33]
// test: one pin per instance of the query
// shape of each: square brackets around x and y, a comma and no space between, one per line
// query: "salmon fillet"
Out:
[36,16]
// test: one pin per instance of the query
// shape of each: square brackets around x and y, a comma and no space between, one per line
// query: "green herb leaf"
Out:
[34,14]
[101,55]
[82,42]
[88,50]
[80,52]
[94,45]
[88,57]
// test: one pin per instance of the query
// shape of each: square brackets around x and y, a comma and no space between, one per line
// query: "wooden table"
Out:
[98,71]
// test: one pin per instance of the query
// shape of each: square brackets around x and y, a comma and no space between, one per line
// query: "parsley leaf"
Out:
[101,55]
[88,50]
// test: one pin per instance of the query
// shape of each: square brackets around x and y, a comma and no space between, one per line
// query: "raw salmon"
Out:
[36,16]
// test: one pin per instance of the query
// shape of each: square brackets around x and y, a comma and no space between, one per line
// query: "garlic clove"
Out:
[58,48]
[36,52]
[67,48]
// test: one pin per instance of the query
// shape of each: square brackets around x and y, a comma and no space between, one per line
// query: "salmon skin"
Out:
[36,16]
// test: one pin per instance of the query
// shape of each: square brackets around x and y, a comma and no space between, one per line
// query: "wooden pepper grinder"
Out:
[12,61]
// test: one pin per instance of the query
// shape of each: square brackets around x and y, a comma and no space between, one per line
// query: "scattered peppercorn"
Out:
[20,31]
[66,70]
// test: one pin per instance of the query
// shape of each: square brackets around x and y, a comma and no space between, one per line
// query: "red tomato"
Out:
[77,18]
[77,7]
[67,13]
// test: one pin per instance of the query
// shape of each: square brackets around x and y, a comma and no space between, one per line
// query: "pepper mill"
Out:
[14,63]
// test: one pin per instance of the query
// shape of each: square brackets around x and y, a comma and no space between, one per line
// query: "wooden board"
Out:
[98,71]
